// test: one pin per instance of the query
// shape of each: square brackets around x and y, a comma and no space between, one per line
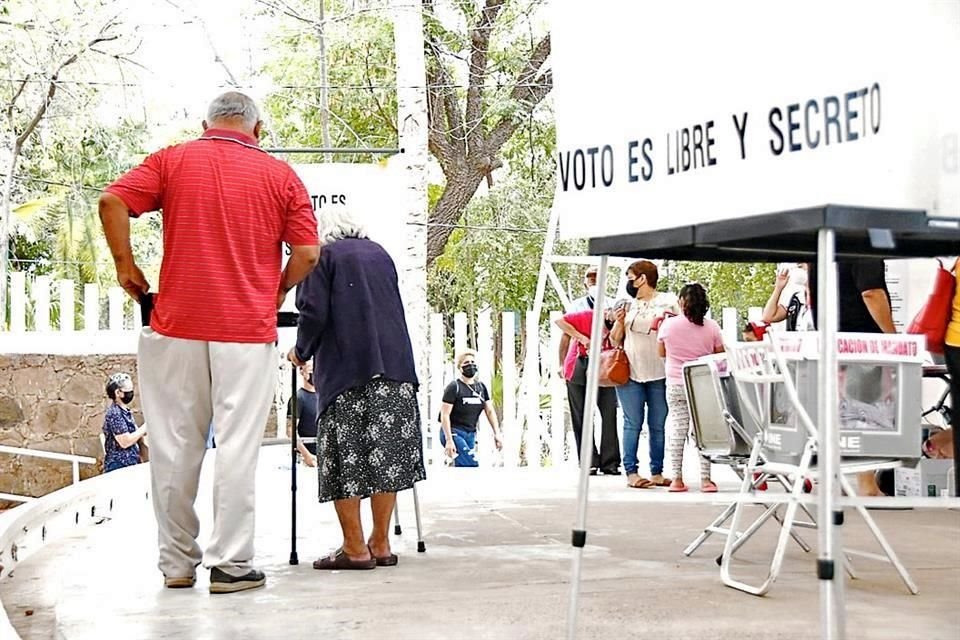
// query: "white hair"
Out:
[234,104]
[336,224]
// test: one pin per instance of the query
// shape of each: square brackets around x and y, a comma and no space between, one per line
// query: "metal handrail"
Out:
[75,461]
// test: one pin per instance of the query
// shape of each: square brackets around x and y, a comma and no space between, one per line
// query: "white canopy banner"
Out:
[371,192]
[680,112]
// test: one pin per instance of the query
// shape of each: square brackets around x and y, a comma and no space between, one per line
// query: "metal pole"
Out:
[294,410]
[579,538]
[831,581]
[76,471]
[397,530]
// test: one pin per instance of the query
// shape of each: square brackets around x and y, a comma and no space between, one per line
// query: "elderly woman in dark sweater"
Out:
[368,430]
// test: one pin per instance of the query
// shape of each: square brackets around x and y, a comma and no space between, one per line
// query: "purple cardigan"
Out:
[352,320]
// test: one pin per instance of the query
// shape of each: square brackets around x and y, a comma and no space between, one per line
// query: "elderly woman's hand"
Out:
[292,357]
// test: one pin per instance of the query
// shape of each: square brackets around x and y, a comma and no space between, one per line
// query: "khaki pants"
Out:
[184,385]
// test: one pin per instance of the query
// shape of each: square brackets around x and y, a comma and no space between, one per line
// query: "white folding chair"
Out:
[725,438]
[756,368]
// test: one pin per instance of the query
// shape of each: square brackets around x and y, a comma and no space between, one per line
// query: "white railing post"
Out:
[67,304]
[531,393]
[41,303]
[731,332]
[91,307]
[558,423]
[437,381]
[18,302]
[76,471]
[459,333]
[115,297]
[511,416]
[485,361]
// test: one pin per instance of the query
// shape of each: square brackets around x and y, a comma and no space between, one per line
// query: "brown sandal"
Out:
[662,482]
[339,561]
[385,561]
[639,482]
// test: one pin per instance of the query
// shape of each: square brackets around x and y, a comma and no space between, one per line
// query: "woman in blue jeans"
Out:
[464,400]
[644,396]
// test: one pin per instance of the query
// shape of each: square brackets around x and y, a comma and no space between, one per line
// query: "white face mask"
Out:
[592,292]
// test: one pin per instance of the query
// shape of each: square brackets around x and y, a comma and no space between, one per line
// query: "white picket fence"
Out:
[532,404]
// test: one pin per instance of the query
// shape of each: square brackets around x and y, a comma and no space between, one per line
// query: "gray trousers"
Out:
[184,385]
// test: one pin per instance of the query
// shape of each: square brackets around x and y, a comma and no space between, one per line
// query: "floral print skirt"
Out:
[369,441]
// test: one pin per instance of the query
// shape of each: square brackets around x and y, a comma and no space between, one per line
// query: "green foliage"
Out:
[729,284]
[361,71]
[62,238]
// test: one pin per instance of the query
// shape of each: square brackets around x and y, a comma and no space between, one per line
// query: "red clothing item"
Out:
[227,205]
[581,321]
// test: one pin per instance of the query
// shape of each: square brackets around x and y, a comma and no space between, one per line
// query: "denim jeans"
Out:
[466,442]
[641,400]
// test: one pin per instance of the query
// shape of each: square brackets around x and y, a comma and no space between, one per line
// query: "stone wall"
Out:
[57,403]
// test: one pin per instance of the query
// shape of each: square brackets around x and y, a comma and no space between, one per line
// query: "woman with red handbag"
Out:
[577,325]
[644,396]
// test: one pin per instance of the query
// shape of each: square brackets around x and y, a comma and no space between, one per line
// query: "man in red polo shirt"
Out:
[208,354]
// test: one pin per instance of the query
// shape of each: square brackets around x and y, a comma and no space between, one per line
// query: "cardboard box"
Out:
[927,479]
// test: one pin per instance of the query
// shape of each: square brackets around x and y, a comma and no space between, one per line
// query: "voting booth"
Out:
[879,404]
[704,131]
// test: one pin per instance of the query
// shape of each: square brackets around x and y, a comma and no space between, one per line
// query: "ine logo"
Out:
[851,443]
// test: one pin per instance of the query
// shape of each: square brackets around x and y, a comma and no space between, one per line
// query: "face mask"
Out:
[469,370]
[632,288]
[592,292]
[127,397]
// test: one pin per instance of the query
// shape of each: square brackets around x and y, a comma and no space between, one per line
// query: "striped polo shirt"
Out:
[227,206]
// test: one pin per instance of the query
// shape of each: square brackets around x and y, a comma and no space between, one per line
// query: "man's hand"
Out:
[292,357]
[309,459]
[498,441]
[281,297]
[132,280]
[584,340]
[450,449]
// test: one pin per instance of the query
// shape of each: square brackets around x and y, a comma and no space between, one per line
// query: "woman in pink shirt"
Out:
[684,338]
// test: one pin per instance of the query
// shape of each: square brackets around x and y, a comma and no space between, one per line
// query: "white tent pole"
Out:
[832,625]
[586,448]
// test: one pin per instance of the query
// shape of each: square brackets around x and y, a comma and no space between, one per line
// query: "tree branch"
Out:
[529,91]
[231,79]
[480,45]
[52,86]
[373,94]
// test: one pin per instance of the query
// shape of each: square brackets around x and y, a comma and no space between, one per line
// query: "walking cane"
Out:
[294,411]
[289,319]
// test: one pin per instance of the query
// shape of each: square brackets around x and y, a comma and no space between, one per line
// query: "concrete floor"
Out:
[497,566]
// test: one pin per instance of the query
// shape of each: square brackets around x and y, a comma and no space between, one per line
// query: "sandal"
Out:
[636,481]
[662,482]
[385,561]
[677,486]
[339,561]
[708,487]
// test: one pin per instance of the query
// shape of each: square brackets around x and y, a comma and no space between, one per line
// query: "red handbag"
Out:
[932,320]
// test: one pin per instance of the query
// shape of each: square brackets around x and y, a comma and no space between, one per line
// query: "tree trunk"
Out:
[456,195]
[412,129]
[6,210]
